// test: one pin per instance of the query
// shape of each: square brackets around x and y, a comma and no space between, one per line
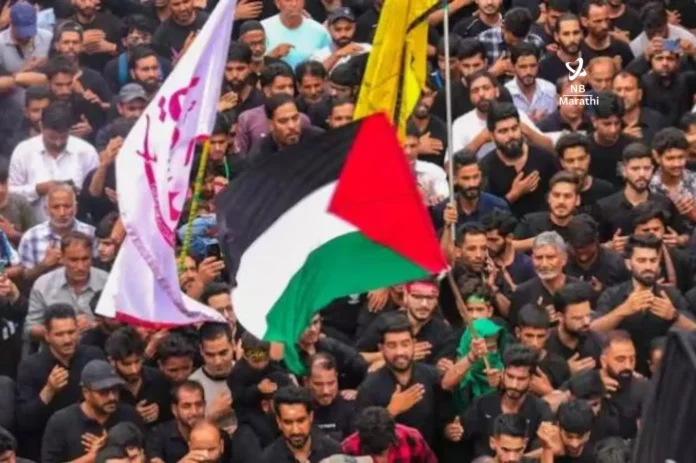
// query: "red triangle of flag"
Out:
[377,193]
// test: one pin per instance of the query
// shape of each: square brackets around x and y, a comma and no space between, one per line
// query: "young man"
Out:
[639,122]
[568,35]
[341,25]
[598,42]
[516,170]
[672,179]
[531,95]
[175,34]
[175,357]
[500,226]
[239,92]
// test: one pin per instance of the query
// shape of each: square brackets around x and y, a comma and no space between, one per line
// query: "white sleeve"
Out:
[18,180]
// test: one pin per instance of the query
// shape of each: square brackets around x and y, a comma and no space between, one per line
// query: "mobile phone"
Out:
[670,45]
[213,250]
[3,266]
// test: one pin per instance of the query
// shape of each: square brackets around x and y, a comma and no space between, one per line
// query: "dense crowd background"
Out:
[572,254]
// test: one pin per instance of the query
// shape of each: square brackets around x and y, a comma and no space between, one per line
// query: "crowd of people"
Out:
[570,231]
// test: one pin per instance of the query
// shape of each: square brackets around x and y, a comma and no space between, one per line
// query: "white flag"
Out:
[152,179]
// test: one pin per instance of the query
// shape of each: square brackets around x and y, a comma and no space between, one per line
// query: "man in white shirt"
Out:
[469,131]
[531,96]
[431,178]
[341,25]
[54,156]
[292,36]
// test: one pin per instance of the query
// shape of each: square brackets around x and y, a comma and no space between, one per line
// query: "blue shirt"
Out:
[486,203]
[306,39]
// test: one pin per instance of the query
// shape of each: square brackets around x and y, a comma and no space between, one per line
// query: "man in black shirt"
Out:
[568,35]
[176,33]
[50,379]
[293,409]
[500,226]
[598,42]
[102,33]
[573,151]
[666,90]
[563,200]
[572,339]
[333,413]
[607,142]
[175,356]
[587,385]
[480,419]
[588,260]
[431,129]
[79,430]
[570,115]
[625,21]
[516,170]
[639,122]
[643,307]
[488,16]
[532,331]
[410,390]
[144,388]
[575,423]
[238,92]
[145,69]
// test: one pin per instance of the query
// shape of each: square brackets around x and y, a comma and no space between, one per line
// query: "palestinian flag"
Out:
[338,215]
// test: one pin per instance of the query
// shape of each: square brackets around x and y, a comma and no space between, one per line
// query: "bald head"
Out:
[205,437]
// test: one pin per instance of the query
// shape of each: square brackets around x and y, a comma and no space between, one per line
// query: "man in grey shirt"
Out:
[23,46]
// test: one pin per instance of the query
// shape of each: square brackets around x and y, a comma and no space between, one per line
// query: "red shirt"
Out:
[410,447]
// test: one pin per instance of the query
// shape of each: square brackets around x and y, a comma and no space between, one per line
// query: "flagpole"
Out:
[195,202]
[448,106]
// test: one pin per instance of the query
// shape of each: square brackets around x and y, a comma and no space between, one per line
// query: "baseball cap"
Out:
[130,92]
[341,13]
[23,20]
[99,375]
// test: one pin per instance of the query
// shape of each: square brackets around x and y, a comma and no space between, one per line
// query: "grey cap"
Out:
[130,92]
[340,13]
[347,459]
[99,375]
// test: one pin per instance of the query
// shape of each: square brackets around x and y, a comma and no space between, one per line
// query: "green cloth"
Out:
[475,382]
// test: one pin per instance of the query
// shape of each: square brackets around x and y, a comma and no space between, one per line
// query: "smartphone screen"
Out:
[670,45]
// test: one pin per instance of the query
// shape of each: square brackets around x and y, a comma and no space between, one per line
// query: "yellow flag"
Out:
[397,68]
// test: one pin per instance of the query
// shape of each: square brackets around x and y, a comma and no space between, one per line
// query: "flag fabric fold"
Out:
[322,220]
[152,179]
[397,66]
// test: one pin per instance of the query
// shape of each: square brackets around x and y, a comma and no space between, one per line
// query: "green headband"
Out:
[475,298]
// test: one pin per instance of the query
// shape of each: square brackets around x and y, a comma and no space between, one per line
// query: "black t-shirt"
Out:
[671,98]
[111,26]
[551,68]
[170,36]
[437,129]
[116,72]
[336,419]
[470,27]
[606,160]
[461,103]
[366,25]
[538,222]
[630,22]
[615,48]
[500,177]
[589,345]
[599,188]
[95,82]
[555,368]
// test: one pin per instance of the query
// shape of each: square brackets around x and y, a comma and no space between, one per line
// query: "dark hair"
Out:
[501,220]
[533,316]
[582,231]
[455,42]
[125,434]
[572,140]
[510,424]
[250,25]
[654,17]
[273,71]
[643,242]
[60,64]
[669,138]
[210,331]
[58,311]
[616,336]
[275,102]
[518,21]
[500,112]
[395,322]
[562,6]
[123,343]
[585,9]
[575,417]
[340,101]
[214,289]
[470,47]
[57,116]
[523,49]
[251,342]
[322,361]
[469,286]
[658,343]
[239,52]
[138,22]
[222,125]
[635,150]
[463,158]
[376,430]
[608,104]
[310,68]
[412,130]
[517,355]
[4,170]
[564,176]
[686,121]
[8,443]
[479,74]
[624,73]
[75,237]
[572,293]
[469,228]
[563,18]
[121,127]
[67,26]
[35,93]
[647,211]
[139,52]
[106,225]
[186,385]
[291,395]
[586,385]
[111,452]
[174,345]
[612,450]
[345,74]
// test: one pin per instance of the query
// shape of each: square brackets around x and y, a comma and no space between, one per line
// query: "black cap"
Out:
[98,375]
[340,13]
